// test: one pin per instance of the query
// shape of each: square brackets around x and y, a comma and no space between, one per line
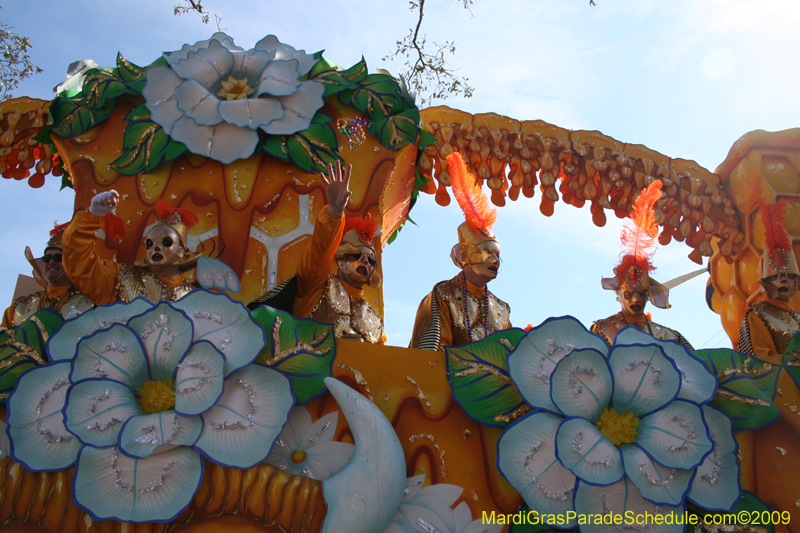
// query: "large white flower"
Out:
[136,405]
[616,431]
[214,95]
[431,509]
[308,449]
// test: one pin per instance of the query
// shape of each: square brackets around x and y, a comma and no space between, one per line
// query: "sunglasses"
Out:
[357,258]
[52,257]
[166,242]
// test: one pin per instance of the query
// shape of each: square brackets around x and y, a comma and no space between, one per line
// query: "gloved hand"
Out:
[104,202]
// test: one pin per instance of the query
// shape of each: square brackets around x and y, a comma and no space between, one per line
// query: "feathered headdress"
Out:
[360,231]
[639,240]
[480,215]
[179,219]
[56,235]
[778,257]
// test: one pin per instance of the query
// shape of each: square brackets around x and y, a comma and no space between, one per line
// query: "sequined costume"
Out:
[321,295]
[609,327]
[441,319]
[67,300]
[768,328]
[106,281]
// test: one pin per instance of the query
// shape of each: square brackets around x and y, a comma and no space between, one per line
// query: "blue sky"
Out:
[684,77]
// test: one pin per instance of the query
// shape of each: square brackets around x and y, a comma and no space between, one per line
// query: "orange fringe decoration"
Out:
[58,227]
[773,216]
[188,218]
[113,226]
[480,214]
[365,227]
[640,233]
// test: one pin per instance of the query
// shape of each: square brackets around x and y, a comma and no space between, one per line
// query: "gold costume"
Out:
[441,319]
[609,327]
[106,281]
[67,300]
[768,328]
[321,295]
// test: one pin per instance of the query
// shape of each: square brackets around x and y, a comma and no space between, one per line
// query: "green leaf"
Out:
[24,347]
[478,372]
[754,509]
[377,95]
[132,75]
[71,119]
[99,87]
[398,130]
[426,139]
[791,359]
[145,144]
[747,387]
[275,145]
[313,149]
[304,351]
[337,81]
[321,65]
[44,136]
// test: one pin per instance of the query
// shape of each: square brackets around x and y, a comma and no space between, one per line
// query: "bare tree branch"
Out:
[196,6]
[15,63]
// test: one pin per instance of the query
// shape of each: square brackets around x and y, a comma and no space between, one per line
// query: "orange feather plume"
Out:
[773,216]
[365,228]
[58,227]
[188,218]
[480,214]
[640,233]
[113,226]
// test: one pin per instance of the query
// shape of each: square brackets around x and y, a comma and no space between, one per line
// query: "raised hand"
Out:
[104,202]
[337,189]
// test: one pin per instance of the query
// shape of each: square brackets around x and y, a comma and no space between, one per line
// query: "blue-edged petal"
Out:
[198,383]
[214,274]
[250,64]
[279,78]
[271,44]
[63,344]
[114,353]
[526,456]
[39,440]
[645,379]
[144,435]
[299,108]
[698,384]
[717,485]
[581,384]
[221,142]
[159,95]
[621,498]
[676,436]
[109,485]
[207,66]
[186,49]
[227,324]
[240,429]
[251,113]
[96,409]
[535,357]
[198,103]
[166,334]
[657,483]
[582,448]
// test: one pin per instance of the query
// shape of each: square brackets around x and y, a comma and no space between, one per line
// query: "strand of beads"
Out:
[354,129]
[466,308]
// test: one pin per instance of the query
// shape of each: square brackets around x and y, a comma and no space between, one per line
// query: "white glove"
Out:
[104,203]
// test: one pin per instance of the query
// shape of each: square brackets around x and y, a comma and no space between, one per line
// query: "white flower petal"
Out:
[159,93]
[208,66]
[581,384]
[145,435]
[198,103]
[251,64]
[271,44]
[186,49]
[114,353]
[676,436]
[279,78]
[320,432]
[717,485]
[166,335]
[96,410]
[252,112]
[199,379]
[645,379]
[222,142]
[583,449]
[300,108]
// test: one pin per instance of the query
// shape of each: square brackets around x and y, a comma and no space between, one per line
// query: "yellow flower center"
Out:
[618,428]
[234,89]
[298,456]
[157,396]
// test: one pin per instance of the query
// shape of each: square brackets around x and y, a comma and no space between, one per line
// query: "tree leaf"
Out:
[377,95]
[145,144]
[747,387]
[398,130]
[478,372]
[303,351]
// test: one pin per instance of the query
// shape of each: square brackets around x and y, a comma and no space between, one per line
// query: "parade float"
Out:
[199,415]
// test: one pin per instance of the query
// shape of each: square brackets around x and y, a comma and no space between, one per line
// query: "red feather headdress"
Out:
[773,216]
[640,236]
[56,235]
[365,228]
[188,218]
[480,214]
